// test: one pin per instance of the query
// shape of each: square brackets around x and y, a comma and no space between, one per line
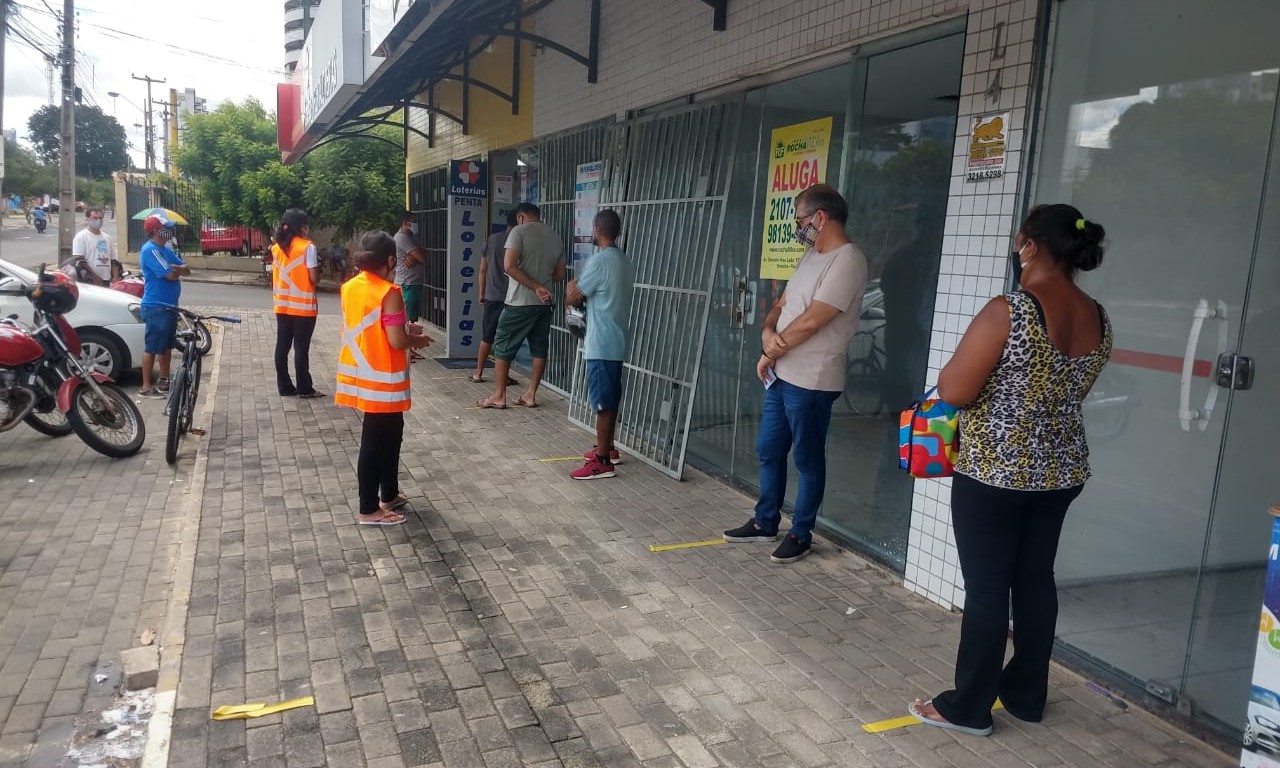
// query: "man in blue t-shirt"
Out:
[604,282]
[162,269]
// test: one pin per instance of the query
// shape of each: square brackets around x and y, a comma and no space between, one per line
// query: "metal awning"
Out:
[436,43]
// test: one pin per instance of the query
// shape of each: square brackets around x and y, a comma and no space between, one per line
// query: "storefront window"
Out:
[892,127]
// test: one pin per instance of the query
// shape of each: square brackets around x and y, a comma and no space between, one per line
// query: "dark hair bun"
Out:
[1074,242]
[1089,256]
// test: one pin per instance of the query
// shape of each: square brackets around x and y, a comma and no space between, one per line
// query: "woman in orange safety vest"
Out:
[373,375]
[295,270]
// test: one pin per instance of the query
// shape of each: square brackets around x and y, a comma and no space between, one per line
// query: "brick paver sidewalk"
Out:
[87,549]
[519,619]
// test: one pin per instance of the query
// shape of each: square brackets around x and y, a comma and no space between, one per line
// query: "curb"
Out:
[173,638]
[322,288]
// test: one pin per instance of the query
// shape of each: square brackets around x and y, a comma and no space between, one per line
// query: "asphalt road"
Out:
[20,244]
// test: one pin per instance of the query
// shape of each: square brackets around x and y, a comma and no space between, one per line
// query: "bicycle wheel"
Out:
[193,391]
[177,397]
[204,340]
[863,392]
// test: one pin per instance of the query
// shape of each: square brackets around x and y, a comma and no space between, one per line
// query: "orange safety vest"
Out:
[373,376]
[291,285]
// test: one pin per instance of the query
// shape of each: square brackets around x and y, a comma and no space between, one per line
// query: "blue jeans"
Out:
[793,418]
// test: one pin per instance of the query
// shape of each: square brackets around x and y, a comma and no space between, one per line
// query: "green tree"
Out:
[357,184]
[25,174]
[101,147]
[232,152]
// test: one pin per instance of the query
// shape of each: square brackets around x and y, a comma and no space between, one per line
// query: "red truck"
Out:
[241,241]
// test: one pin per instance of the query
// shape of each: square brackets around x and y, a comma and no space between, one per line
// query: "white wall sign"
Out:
[468,227]
[331,65]
[383,17]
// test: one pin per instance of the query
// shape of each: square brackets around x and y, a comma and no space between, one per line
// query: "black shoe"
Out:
[790,550]
[749,533]
[288,393]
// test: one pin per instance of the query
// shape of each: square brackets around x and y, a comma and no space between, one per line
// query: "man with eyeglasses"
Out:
[805,343]
[95,248]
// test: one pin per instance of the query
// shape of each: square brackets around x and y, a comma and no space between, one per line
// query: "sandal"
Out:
[916,709]
[486,404]
[520,401]
[474,379]
[312,395]
[381,517]
[399,501]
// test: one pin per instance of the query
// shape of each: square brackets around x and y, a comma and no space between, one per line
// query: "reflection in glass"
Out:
[1160,561]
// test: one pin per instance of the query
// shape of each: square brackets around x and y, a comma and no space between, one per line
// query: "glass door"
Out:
[1167,145]
[1224,633]
[893,120]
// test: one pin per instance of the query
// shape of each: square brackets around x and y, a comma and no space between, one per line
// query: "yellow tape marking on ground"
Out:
[894,723]
[690,545]
[561,458]
[245,711]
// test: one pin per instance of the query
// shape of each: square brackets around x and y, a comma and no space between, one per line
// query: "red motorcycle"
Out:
[43,383]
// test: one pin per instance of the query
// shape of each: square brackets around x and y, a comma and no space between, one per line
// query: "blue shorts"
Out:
[604,384]
[162,330]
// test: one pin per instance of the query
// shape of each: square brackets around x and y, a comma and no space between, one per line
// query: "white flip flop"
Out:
[916,713]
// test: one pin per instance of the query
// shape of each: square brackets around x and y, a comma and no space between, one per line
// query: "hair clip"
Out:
[1080,224]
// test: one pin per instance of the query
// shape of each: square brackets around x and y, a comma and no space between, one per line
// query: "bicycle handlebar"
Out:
[197,316]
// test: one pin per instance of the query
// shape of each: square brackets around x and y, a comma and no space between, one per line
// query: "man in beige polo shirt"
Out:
[805,345]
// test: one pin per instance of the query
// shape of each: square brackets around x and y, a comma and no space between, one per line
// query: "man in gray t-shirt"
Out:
[534,262]
[411,266]
[493,294]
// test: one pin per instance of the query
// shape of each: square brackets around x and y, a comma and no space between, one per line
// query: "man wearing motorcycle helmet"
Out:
[162,269]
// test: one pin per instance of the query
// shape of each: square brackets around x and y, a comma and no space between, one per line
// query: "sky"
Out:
[226,51]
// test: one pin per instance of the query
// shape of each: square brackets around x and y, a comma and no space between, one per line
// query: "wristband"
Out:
[766,354]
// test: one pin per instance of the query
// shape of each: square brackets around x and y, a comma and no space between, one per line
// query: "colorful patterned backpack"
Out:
[928,437]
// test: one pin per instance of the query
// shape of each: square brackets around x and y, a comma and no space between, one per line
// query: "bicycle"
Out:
[184,384]
[864,385]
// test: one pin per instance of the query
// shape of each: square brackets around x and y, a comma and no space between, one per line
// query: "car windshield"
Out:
[22,273]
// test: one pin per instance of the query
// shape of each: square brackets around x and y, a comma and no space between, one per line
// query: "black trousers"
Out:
[294,332]
[378,468]
[1007,541]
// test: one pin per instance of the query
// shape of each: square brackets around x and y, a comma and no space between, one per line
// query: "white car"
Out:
[109,322]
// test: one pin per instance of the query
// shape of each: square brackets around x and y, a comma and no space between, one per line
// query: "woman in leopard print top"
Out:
[1021,374]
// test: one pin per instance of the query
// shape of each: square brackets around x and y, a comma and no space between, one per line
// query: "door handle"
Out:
[1186,414]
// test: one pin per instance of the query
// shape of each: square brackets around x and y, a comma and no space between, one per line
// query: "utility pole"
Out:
[67,187]
[150,148]
[4,32]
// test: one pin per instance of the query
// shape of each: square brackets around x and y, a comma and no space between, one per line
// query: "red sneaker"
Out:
[593,469]
[614,456]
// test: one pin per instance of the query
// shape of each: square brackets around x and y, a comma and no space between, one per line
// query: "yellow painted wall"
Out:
[492,124]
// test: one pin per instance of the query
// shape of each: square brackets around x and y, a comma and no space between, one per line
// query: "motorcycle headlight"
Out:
[136,311]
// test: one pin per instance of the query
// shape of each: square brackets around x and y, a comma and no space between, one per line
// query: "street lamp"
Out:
[113,96]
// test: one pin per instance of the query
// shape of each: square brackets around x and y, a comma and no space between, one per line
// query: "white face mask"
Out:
[95,224]
[413,229]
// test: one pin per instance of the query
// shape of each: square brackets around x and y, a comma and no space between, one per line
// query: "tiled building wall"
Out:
[976,244]
[492,126]
[657,51]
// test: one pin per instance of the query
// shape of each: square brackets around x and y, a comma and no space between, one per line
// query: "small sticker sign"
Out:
[988,147]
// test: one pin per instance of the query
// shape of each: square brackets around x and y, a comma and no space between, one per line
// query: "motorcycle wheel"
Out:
[53,423]
[111,425]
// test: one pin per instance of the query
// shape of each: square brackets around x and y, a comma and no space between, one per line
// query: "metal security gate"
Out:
[429,206]
[558,159]
[668,176]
